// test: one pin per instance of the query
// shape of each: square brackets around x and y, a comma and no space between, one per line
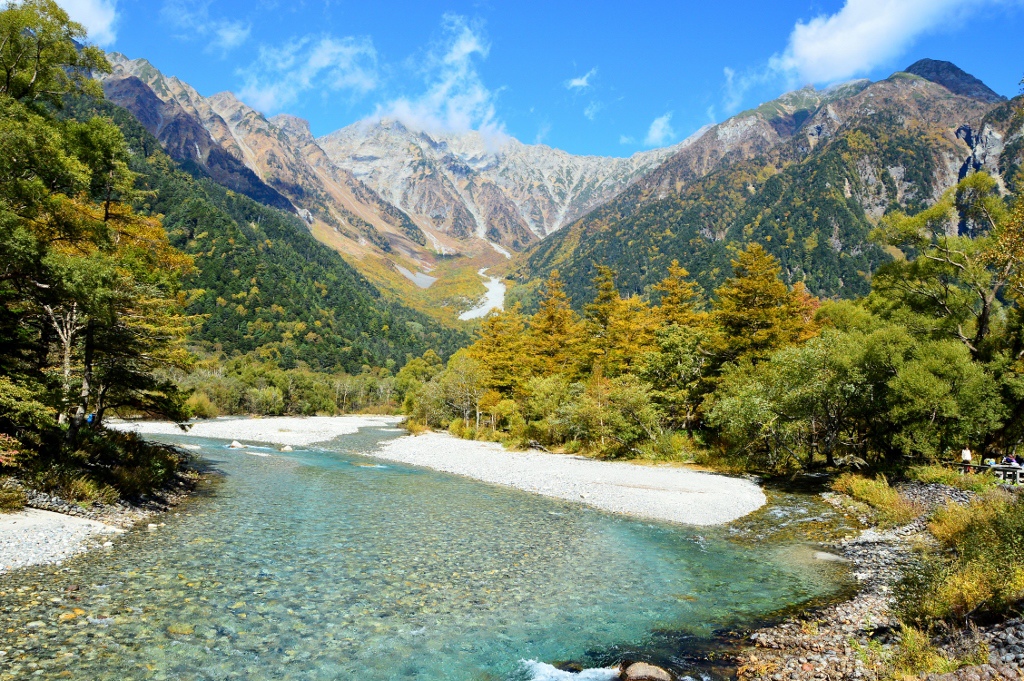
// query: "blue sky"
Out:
[608,78]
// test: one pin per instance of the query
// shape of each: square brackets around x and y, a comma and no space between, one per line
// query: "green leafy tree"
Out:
[40,60]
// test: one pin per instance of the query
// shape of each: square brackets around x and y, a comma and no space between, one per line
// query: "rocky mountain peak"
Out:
[293,126]
[954,79]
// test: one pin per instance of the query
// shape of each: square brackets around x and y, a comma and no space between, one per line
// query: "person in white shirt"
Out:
[965,455]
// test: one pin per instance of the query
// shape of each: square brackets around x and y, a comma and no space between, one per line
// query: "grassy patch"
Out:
[11,500]
[978,570]
[943,475]
[915,655]
[105,466]
[889,506]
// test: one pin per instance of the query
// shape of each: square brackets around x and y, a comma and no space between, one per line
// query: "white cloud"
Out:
[542,133]
[193,18]
[230,34]
[98,16]
[861,36]
[592,110]
[627,139]
[660,132]
[324,63]
[581,82]
[455,99]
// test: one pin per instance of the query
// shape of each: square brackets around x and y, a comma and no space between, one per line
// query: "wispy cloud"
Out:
[592,110]
[98,16]
[192,18]
[661,132]
[455,99]
[230,34]
[863,35]
[312,63]
[542,133]
[627,139]
[581,82]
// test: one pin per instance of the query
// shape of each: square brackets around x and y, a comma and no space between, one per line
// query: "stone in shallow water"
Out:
[641,671]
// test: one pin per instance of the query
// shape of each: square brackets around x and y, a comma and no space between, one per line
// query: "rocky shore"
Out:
[843,641]
[50,529]
[658,492]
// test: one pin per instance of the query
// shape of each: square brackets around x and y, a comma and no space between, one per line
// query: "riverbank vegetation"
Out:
[90,291]
[132,287]
[763,376]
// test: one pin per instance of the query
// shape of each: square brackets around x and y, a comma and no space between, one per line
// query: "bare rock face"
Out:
[184,138]
[641,671]
[954,79]
[491,186]
[274,161]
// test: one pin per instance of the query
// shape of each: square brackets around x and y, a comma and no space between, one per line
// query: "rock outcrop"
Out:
[954,79]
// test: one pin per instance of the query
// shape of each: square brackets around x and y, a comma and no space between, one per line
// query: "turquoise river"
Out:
[328,564]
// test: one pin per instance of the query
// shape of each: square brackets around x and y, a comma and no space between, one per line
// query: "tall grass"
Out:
[944,475]
[11,499]
[889,507]
[978,571]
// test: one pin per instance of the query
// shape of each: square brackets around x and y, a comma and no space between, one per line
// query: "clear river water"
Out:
[327,564]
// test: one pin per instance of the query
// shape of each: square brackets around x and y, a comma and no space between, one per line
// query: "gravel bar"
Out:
[35,537]
[657,492]
[294,431]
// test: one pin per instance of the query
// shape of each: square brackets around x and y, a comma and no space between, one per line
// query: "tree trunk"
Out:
[85,394]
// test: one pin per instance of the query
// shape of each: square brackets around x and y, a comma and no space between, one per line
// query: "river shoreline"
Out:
[844,640]
[664,493]
[787,648]
[50,530]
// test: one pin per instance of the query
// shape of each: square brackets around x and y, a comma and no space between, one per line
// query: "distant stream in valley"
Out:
[326,564]
[494,299]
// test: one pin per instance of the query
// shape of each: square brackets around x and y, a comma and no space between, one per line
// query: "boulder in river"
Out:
[286,448]
[642,671]
[235,444]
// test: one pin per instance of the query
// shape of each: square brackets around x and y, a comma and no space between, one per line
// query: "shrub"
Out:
[979,571]
[200,406]
[415,427]
[944,475]
[889,506]
[11,500]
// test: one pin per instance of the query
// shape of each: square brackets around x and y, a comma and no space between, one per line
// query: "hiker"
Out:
[965,455]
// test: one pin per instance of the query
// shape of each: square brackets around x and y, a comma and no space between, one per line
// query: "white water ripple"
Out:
[542,671]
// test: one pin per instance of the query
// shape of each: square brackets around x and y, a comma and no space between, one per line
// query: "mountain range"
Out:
[808,174]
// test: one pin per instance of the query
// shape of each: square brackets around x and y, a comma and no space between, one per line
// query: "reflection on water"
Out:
[316,565]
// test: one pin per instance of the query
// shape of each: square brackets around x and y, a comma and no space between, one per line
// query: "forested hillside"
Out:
[811,199]
[262,284]
[762,375]
[127,283]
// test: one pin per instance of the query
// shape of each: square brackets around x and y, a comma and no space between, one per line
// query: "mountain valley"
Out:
[420,212]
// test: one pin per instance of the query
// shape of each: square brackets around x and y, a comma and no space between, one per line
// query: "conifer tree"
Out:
[501,349]
[755,309]
[680,298]
[554,331]
[617,330]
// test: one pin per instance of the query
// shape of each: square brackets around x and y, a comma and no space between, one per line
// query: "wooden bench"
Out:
[1005,473]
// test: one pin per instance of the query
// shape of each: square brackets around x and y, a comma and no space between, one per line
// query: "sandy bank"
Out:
[295,431]
[657,492]
[35,537]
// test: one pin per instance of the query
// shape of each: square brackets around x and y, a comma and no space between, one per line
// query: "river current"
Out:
[329,564]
